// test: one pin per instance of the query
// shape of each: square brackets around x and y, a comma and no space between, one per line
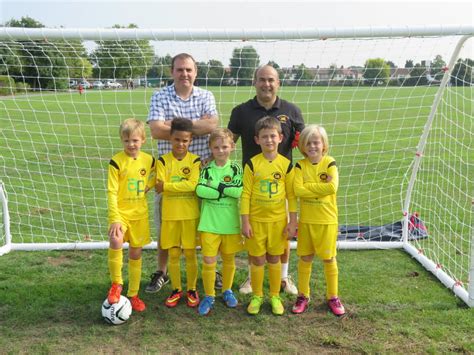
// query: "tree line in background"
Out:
[50,65]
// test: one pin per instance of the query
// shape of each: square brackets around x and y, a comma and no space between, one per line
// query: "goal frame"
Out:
[464,32]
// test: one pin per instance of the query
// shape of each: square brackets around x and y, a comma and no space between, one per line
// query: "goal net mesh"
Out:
[62,101]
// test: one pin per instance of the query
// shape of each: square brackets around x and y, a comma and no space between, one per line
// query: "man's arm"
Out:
[205,125]
[160,129]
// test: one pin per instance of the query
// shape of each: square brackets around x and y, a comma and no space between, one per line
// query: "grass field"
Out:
[57,147]
[51,301]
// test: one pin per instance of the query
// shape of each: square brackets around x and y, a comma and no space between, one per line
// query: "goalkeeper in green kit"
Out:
[220,187]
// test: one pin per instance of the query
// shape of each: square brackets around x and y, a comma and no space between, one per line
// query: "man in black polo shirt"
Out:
[242,124]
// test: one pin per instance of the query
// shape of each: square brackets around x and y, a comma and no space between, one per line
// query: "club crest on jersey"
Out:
[227,178]
[283,118]
[323,176]
[186,170]
[277,175]
[142,171]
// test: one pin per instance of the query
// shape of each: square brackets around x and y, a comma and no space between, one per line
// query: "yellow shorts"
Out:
[212,243]
[181,234]
[319,239]
[136,233]
[268,237]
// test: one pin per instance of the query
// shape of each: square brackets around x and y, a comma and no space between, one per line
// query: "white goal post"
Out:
[397,104]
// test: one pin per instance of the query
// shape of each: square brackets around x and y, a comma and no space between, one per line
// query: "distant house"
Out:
[400,74]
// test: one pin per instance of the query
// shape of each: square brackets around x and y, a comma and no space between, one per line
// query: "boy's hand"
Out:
[205,162]
[115,230]
[159,186]
[291,230]
[247,231]
[328,178]
[246,227]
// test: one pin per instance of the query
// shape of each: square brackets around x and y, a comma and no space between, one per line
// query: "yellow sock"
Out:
[174,267]
[256,276]
[209,278]
[304,275]
[228,271]
[274,277]
[134,276]
[191,268]
[331,273]
[115,265]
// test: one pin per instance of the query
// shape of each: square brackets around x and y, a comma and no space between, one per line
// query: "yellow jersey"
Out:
[317,197]
[127,180]
[180,179]
[267,186]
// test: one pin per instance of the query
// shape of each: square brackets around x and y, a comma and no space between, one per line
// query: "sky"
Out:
[225,14]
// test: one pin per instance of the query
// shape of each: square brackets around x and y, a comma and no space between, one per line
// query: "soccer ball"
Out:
[117,313]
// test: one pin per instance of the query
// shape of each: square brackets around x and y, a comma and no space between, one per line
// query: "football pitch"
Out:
[54,165]
[57,148]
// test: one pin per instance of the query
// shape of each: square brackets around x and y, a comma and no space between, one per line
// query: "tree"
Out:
[211,73]
[303,75]
[417,76]
[409,64]
[376,71]
[393,66]
[25,22]
[45,64]
[437,67]
[160,70]
[122,59]
[243,63]
[462,72]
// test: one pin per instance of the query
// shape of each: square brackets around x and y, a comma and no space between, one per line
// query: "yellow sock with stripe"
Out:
[115,265]
[134,276]
[331,273]
[228,271]
[174,267]
[191,268]
[256,278]
[304,276]
[209,278]
[274,277]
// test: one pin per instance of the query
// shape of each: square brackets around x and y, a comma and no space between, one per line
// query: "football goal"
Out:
[396,102]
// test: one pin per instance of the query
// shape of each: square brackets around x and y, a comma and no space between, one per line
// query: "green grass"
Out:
[51,304]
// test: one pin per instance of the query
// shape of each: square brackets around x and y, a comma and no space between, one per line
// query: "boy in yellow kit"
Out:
[177,174]
[268,184]
[130,176]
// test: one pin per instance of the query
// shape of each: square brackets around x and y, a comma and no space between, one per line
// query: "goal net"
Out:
[397,104]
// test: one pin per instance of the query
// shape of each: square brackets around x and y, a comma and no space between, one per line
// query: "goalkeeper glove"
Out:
[294,144]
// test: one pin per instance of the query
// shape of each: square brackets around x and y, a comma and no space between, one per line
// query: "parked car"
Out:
[72,84]
[85,84]
[98,84]
[111,84]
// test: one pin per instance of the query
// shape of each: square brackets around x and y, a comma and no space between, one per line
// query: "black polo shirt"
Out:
[244,117]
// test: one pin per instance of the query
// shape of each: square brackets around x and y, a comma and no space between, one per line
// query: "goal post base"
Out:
[441,275]
[5,249]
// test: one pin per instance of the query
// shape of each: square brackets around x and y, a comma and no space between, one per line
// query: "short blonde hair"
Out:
[223,133]
[310,130]
[130,126]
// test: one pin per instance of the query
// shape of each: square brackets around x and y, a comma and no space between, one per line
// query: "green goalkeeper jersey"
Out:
[220,187]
